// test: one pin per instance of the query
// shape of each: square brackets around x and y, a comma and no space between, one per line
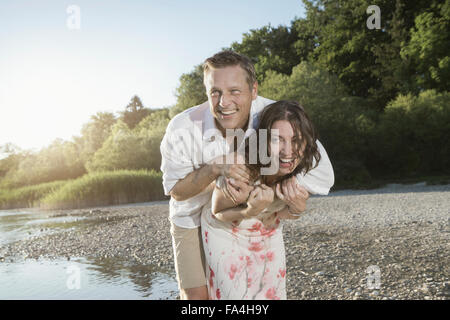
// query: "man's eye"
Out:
[235,92]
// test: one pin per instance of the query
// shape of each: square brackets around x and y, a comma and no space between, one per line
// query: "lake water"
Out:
[77,278]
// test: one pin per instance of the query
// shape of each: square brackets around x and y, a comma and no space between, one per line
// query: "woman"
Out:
[242,237]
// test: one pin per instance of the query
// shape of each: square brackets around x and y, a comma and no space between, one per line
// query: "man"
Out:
[193,155]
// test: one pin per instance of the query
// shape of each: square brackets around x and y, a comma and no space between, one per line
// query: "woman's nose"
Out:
[286,149]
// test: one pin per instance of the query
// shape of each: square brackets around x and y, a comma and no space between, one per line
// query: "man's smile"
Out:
[226,112]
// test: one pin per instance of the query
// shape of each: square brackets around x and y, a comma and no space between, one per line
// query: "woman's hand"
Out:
[260,198]
[271,221]
[238,191]
[292,194]
[231,166]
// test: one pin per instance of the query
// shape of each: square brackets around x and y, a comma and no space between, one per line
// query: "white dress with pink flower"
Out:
[245,261]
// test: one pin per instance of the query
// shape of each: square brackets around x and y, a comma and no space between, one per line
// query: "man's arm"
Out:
[320,179]
[195,182]
[199,179]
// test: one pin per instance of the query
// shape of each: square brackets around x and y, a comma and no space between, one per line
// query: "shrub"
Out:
[414,134]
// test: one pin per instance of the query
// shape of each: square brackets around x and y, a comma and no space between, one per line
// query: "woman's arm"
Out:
[286,214]
[225,210]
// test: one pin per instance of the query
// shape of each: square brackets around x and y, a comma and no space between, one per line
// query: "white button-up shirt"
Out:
[192,140]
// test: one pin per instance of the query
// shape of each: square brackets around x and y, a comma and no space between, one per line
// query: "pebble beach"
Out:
[386,244]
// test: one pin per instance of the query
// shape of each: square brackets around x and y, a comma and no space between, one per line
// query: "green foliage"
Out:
[10,157]
[351,173]
[191,91]
[136,148]
[429,48]
[413,134]
[270,48]
[59,161]
[28,196]
[107,188]
[94,133]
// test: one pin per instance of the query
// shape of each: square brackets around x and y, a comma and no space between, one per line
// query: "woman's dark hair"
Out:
[293,112]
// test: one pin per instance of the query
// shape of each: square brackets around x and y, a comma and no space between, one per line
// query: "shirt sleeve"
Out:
[176,162]
[320,179]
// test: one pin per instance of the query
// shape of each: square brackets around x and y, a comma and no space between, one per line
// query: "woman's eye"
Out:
[214,93]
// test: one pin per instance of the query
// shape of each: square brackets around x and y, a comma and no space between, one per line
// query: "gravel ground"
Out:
[401,231]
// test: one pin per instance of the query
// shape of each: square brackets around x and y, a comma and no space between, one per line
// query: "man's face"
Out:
[230,97]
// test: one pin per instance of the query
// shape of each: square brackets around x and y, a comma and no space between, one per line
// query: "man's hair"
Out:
[228,58]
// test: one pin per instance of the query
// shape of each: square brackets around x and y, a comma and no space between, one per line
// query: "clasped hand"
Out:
[292,194]
[256,197]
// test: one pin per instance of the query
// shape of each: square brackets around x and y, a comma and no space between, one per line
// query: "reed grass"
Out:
[28,196]
[107,188]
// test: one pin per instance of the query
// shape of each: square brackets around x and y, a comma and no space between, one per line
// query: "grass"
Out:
[107,188]
[28,196]
[131,186]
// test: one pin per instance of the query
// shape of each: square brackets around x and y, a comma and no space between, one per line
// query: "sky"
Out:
[63,61]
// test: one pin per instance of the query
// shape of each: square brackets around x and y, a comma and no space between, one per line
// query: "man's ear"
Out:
[255,90]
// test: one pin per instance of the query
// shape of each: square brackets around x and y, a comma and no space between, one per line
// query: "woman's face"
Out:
[284,143]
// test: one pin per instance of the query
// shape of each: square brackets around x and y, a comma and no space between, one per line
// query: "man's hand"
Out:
[292,194]
[232,166]
[260,198]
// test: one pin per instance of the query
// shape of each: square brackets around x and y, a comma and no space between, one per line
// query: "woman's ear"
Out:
[302,148]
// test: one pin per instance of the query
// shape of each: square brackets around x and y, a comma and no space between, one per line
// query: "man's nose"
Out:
[225,100]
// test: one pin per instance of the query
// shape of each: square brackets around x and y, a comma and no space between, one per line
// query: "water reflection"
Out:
[94,278]
[15,226]
[99,278]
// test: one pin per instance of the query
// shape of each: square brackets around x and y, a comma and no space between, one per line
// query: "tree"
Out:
[413,135]
[429,48]
[136,148]
[58,161]
[191,91]
[10,157]
[271,48]
[134,112]
[368,62]
[94,133]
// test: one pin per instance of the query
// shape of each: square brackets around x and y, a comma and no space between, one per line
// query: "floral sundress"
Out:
[244,261]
